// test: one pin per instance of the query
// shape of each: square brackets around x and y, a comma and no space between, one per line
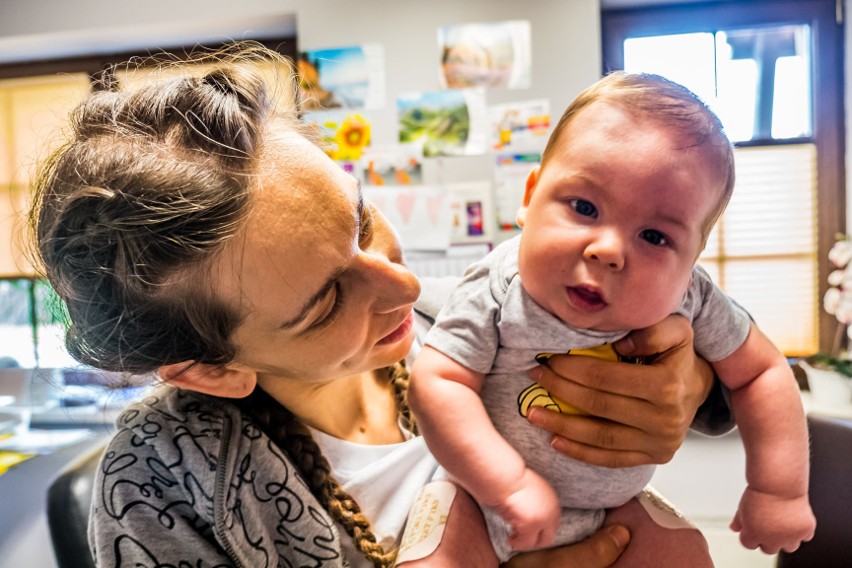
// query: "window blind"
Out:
[763,251]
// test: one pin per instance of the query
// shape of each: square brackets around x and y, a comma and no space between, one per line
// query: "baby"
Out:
[631,182]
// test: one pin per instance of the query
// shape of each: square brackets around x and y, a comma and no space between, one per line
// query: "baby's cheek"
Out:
[652,304]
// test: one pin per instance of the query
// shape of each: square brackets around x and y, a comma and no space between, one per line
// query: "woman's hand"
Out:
[600,550]
[648,408]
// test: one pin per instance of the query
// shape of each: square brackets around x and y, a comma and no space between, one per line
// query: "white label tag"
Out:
[662,511]
[427,520]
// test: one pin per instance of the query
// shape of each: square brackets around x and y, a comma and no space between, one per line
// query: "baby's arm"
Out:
[445,400]
[774,513]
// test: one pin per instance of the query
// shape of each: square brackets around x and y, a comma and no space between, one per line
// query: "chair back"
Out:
[830,495]
[69,499]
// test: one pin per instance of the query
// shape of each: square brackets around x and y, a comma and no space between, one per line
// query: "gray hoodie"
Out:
[187,480]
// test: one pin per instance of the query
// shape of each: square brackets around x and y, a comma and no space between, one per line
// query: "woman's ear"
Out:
[532,179]
[228,381]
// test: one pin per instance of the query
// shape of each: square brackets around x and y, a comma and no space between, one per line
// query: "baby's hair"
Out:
[673,106]
[131,212]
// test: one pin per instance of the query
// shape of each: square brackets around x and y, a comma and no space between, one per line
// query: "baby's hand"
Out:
[532,512]
[772,522]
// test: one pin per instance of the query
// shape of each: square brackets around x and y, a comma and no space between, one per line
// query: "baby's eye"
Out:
[654,237]
[584,208]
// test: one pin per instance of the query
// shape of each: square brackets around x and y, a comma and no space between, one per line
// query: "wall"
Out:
[565,36]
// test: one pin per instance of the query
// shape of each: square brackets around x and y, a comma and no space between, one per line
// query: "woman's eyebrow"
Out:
[329,283]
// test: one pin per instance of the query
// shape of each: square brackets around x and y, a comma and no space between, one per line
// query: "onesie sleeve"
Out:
[466,328]
[720,325]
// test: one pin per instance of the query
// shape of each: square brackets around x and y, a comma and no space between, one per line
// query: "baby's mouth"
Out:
[586,299]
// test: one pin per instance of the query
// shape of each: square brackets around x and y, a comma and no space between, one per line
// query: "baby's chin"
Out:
[621,322]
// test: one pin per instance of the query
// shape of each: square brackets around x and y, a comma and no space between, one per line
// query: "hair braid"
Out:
[296,440]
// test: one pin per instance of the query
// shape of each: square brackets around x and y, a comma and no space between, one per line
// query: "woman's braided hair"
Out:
[295,438]
[132,210]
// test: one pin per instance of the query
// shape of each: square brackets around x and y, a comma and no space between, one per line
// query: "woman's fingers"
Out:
[671,333]
[601,442]
[600,550]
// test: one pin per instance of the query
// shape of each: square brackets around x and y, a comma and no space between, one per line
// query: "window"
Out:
[772,72]
[31,325]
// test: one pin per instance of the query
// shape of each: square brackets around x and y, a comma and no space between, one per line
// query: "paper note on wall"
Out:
[420,214]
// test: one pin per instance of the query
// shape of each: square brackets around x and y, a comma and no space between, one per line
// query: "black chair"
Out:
[831,497]
[69,498]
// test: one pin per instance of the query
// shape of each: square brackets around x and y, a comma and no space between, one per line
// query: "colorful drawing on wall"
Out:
[510,177]
[347,77]
[445,123]
[496,54]
[472,213]
[391,166]
[520,126]
[420,214]
[345,133]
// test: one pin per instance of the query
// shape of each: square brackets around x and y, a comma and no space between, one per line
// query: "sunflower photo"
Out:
[345,134]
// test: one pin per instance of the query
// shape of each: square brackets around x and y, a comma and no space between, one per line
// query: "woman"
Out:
[193,229]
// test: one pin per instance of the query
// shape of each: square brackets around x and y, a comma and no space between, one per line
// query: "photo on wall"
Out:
[345,134]
[345,77]
[392,165]
[493,55]
[445,123]
[521,126]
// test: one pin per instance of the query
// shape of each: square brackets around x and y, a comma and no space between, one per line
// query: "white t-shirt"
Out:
[384,480]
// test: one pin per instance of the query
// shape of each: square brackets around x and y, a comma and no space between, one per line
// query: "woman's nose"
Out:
[607,249]
[390,284]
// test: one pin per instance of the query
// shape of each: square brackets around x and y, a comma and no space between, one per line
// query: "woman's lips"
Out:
[585,299]
[400,332]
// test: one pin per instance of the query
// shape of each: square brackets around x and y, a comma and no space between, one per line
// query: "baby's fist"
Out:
[532,512]
[772,522]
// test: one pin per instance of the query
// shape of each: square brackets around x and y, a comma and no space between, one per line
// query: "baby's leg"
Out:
[446,523]
[660,536]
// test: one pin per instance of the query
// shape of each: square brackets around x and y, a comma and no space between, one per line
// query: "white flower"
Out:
[831,300]
[844,313]
[841,253]
[837,277]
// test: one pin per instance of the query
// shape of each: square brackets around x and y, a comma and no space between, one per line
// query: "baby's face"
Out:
[612,224]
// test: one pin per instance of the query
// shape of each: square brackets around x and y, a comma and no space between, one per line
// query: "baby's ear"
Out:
[532,180]
[227,381]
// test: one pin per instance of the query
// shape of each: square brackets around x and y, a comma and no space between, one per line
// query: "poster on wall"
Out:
[345,77]
[493,55]
[520,126]
[444,123]
[392,165]
[420,214]
[345,134]
[510,179]
[472,213]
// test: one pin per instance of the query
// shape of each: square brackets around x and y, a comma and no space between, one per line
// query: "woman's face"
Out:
[317,272]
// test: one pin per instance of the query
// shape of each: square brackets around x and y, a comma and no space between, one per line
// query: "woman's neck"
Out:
[359,408]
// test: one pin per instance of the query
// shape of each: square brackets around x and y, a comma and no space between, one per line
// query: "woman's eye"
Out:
[365,232]
[654,237]
[330,313]
[584,208]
